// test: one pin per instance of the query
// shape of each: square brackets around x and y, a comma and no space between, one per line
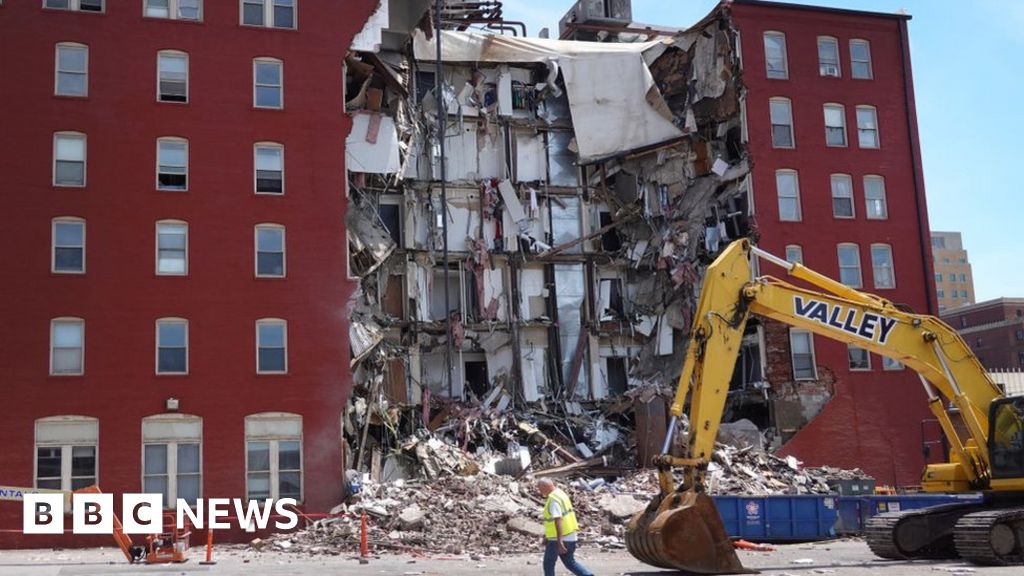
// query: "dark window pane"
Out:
[83,461]
[271,359]
[48,463]
[284,17]
[259,456]
[173,91]
[781,136]
[91,5]
[288,455]
[188,487]
[49,484]
[290,485]
[78,483]
[259,485]
[171,360]
[156,485]
[188,458]
[252,14]
[70,172]
[172,181]
[68,260]
[270,263]
[155,459]
[57,4]
[268,181]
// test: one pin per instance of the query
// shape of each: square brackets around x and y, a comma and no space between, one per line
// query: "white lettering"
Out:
[253,512]
[293,518]
[218,509]
[196,518]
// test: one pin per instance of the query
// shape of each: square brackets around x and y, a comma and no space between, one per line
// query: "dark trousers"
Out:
[568,559]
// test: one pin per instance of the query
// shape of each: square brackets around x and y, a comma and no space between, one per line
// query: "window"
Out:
[67,347]
[172,346]
[890,364]
[963,277]
[172,76]
[789,195]
[273,456]
[881,266]
[270,250]
[963,294]
[69,159]
[801,345]
[174,9]
[775,55]
[867,127]
[952,277]
[269,168]
[66,450]
[859,358]
[941,293]
[938,276]
[268,83]
[860,59]
[963,321]
[842,196]
[271,346]
[962,260]
[82,5]
[835,125]
[874,198]
[172,248]
[72,70]
[172,164]
[68,246]
[781,113]
[849,265]
[828,56]
[269,13]
[1020,335]
[172,457]
[794,254]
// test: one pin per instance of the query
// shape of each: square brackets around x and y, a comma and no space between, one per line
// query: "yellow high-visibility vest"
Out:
[568,515]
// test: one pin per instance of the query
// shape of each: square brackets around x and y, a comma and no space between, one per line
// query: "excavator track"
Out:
[991,537]
[925,533]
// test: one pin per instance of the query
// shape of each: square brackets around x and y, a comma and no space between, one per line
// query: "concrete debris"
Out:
[526,527]
[411,518]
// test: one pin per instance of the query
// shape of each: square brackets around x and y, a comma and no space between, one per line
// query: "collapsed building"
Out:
[549,247]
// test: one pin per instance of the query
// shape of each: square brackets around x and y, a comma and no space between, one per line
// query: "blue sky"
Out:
[967,78]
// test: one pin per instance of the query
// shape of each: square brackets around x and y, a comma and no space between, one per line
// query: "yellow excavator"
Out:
[681,527]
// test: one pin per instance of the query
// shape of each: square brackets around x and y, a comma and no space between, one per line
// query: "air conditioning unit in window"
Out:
[829,70]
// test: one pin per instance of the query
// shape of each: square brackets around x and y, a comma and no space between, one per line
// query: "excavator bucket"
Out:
[683,531]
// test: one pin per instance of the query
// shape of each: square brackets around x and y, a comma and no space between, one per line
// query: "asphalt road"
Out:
[838,558]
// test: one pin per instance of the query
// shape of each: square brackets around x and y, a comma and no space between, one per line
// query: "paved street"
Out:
[839,558]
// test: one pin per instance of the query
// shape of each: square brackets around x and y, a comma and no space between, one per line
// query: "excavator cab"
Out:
[1006,437]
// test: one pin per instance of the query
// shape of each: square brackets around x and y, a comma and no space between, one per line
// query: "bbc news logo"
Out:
[143,513]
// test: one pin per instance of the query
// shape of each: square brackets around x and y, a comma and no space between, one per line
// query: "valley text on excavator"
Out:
[681,527]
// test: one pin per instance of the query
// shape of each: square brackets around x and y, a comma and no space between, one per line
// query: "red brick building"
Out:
[837,184]
[994,330]
[175,196]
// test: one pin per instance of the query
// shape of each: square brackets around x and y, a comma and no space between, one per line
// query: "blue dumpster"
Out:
[778,518]
[854,511]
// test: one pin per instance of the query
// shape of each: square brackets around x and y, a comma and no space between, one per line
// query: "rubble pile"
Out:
[755,473]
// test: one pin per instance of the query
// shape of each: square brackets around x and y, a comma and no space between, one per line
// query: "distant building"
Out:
[954,283]
[994,330]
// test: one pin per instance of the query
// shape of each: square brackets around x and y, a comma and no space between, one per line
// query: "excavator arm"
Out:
[682,515]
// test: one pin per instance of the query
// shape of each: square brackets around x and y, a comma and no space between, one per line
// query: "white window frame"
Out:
[71,135]
[794,253]
[171,430]
[875,130]
[57,70]
[839,261]
[87,430]
[810,346]
[157,345]
[272,322]
[779,196]
[76,6]
[842,117]
[172,54]
[255,166]
[785,55]
[280,87]
[159,224]
[173,11]
[54,245]
[261,428]
[835,179]
[772,124]
[867,354]
[256,250]
[268,14]
[827,69]
[53,329]
[172,140]
[891,264]
[869,213]
[854,61]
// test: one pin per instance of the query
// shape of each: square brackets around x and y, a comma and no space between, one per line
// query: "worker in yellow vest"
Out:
[560,530]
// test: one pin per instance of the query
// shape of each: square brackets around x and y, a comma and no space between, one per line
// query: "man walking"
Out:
[559,530]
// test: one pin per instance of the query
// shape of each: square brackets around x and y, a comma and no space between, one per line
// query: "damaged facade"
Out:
[577,218]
